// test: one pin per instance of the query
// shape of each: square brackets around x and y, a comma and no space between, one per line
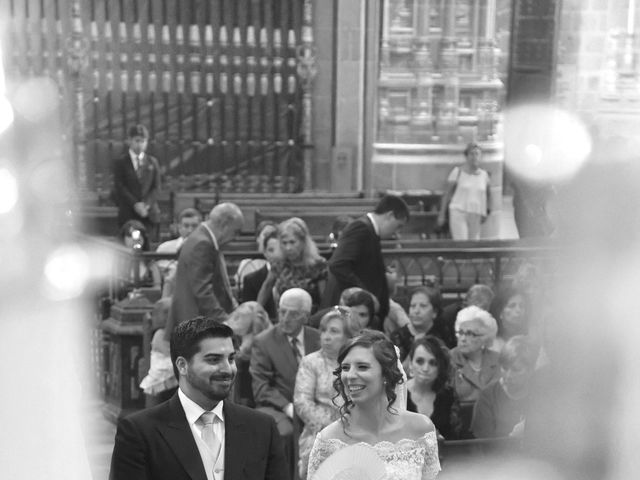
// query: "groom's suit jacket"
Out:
[157,444]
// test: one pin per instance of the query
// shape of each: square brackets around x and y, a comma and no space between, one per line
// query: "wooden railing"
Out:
[454,265]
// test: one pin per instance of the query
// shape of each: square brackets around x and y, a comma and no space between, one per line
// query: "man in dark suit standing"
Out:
[196,435]
[357,261]
[201,284]
[136,181]
[275,356]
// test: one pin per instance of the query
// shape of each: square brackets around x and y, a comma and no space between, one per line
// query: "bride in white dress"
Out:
[405,442]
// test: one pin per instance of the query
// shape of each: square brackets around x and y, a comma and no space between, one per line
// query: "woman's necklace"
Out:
[476,368]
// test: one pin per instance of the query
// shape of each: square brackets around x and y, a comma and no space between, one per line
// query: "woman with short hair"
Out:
[246,321]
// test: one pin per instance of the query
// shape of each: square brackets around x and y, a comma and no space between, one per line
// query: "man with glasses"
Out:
[275,357]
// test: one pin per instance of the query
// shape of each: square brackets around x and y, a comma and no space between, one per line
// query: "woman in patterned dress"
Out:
[298,266]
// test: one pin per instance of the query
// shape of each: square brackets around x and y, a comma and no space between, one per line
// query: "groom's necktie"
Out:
[207,420]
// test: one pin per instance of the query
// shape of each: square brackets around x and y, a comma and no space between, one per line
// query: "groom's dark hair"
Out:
[185,339]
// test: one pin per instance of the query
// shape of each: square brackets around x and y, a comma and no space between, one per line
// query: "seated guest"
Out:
[473,365]
[502,405]
[357,298]
[275,356]
[188,220]
[396,317]
[428,388]
[479,295]
[313,393]
[424,311]
[362,306]
[250,265]
[246,321]
[299,266]
[510,308]
[253,281]
[137,273]
[160,383]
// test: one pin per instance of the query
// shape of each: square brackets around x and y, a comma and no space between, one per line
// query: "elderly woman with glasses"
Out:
[474,366]
[312,397]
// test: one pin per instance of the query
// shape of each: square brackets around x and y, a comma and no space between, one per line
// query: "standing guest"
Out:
[424,313]
[197,434]
[252,282]
[275,357]
[479,295]
[473,365]
[246,321]
[366,381]
[428,389]
[468,197]
[202,286]
[136,181]
[313,394]
[357,261]
[188,220]
[501,407]
[299,266]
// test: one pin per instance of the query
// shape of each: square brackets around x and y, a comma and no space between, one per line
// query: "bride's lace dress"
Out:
[404,460]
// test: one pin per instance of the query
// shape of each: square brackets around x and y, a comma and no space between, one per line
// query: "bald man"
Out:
[275,356]
[202,285]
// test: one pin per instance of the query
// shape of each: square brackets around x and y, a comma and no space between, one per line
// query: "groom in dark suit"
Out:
[197,435]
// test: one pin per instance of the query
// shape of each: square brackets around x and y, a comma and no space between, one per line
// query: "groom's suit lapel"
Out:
[178,435]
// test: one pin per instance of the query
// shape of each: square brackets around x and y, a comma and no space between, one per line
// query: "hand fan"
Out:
[355,462]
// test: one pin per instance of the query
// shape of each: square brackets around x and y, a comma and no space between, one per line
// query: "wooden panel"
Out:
[532,56]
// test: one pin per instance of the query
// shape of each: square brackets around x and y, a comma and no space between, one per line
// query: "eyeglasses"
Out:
[468,333]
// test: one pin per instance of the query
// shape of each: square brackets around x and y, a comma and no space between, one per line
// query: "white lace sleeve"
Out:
[322,449]
[431,466]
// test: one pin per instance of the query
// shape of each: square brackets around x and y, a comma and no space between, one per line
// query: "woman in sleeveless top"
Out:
[403,442]
[468,197]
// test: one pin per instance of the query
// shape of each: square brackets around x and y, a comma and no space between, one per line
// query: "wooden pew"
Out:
[420,224]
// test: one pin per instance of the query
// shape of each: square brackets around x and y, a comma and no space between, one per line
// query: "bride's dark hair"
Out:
[385,353]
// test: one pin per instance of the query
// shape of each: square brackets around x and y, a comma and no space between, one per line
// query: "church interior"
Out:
[316,109]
